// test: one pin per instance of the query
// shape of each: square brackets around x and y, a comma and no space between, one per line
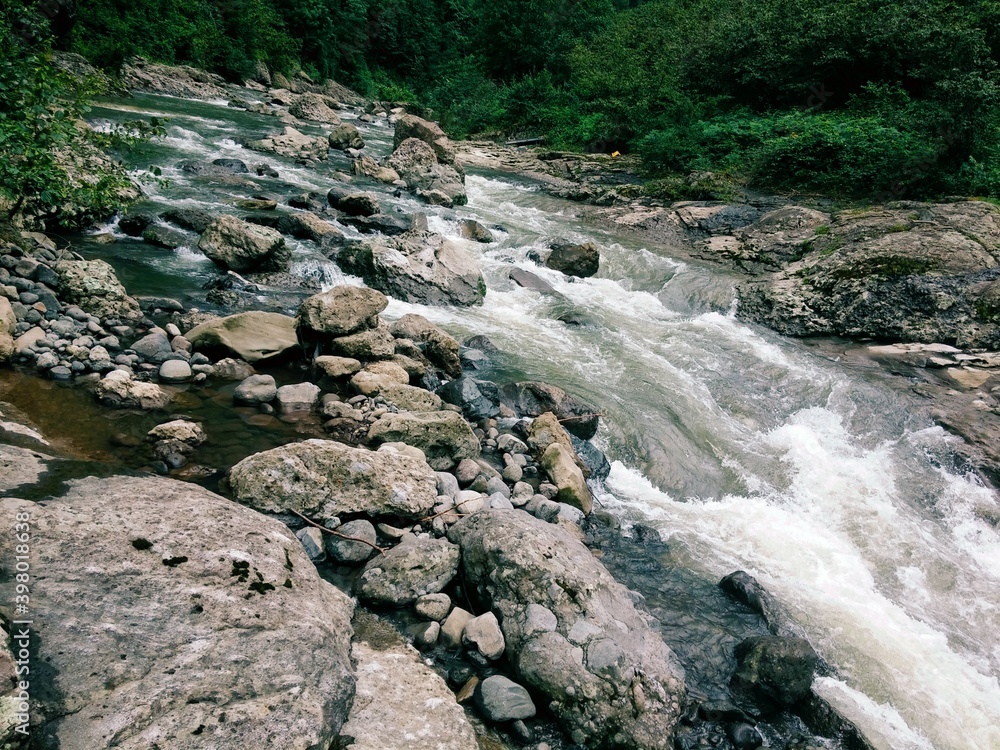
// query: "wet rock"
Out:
[388,224]
[368,167]
[418,267]
[238,245]
[164,237]
[443,436]
[471,229]
[292,144]
[575,260]
[340,311]
[134,224]
[595,463]
[440,348]
[412,568]
[256,389]
[348,551]
[745,589]
[483,634]
[479,399]
[175,371]
[775,672]
[195,219]
[167,574]
[308,226]
[345,136]
[532,399]
[501,699]
[376,343]
[411,126]
[417,164]
[314,107]
[257,204]
[300,397]
[610,679]
[403,703]
[354,203]
[118,389]
[232,369]
[251,336]
[323,478]
[181,430]
[337,367]
[93,286]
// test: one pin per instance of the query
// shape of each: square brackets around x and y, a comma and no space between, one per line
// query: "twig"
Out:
[582,416]
[334,533]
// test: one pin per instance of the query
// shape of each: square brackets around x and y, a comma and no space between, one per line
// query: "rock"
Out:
[346,136]
[195,219]
[93,286]
[256,389]
[257,204]
[471,229]
[293,145]
[433,606]
[323,478]
[175,371]
[453,627]
[366,166]
[134,224]
[337,367]
[776,672]
[417,267]
[411,126]
[610,679]
[417,164]
[387,224]
[483,634]
[354,203]
[176,80]
[251,336]
[501,699]
[340,311]
[171,575]
[562,470]
[412,568]
[411,399]
[19,466]
[533,399]
[443,436]
[297,397]
[232,369]
[241,246]
[8,322]
[402,703]
[305,225]
[575,260]
[313,107]
[590,459]
[479,399]
[119,390]
[152,345]
[164,237]
[347,551]
[312,543]
[179,429]
[438,346]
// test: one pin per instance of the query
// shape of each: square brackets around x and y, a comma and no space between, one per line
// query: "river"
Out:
[745,450]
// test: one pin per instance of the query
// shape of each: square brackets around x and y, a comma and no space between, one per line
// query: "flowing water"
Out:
[743,449]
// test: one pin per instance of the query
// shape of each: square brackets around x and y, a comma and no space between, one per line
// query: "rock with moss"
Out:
[94,287]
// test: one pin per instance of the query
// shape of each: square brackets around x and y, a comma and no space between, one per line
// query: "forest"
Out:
[855,98]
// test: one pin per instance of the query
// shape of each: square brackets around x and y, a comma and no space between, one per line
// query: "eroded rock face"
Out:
[324,478]
[93,286]
[417,267]
[169,616]
[250,336]
[241,246]
[908,272]
[576,633]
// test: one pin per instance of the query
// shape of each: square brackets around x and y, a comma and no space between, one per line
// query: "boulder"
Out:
[376,343]
[433,606]
[93,286]
[305,225]
[411,126]
[175,371]
[387,224]
[563,472]
[292,144]
[195,219]
[298,397]
[232,369]
[8,322]
[366,166]
[251,336]
[20,466]
[256,389]
[346,136]
[444,436]
[440,348]
[353,202]
[313,107]
[483,634]
[532,399]
[238,245]
[413,568]
[410,398]
[338,312]
[346,550]
[179,429]
[417,164]
[575,260]
[471,229]
[324,478]
[574,632]
[776,672]
[120,390]
[171,617]
[337,367]
[402,703]
[479,399]
[501,699]
[417,267]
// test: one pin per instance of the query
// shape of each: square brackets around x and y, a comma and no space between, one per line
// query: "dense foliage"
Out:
[864,97]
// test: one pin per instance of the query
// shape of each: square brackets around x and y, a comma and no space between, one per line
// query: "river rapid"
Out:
[743,449]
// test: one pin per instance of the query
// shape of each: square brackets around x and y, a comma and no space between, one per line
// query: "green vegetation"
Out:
[853,98]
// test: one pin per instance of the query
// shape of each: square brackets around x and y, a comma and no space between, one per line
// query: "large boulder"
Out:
[575,260]
[400,702]
[93,286]
[340,311]
[440,348]
[532,399]
[775,672]
[292,144]
[417,267]
[346,136]
[575,633]
[251,336]
[560,465]
[314,107]
[121,390]
[411,569]
[411,126]
[444,436]
[8,321]
[418,165]
[366,166]
[324,478]
[168,616]
[241,246]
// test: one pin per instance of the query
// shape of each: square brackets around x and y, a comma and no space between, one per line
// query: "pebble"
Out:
[312,542]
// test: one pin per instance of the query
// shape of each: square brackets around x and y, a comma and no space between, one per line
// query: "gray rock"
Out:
[376,343]
[621,686]
[256,389]
[348,551]
[297,397]
[345,136]
[433,606]
[152,344]
[440,348]
[292,144]
[175,371]
[179,429]
[411,569]
[575,260]
[231,369]
[321,478]
[118,389]
[353,202]
[483,634]
[19,466]
[93,286]
[238,245]
[443,436]
[169,575]
[777,672]
[340,311]
[502,699]
[453,626]
[447,484]
[312,543]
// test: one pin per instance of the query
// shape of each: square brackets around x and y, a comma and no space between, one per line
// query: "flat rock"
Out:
[251,336]
[444,436]
[20,466]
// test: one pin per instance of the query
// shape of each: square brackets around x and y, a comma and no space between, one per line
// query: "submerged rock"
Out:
[169,616]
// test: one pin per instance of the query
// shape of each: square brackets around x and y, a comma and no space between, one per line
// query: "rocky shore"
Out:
[415,572]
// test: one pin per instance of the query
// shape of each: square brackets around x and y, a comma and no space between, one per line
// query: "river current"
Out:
[745,450]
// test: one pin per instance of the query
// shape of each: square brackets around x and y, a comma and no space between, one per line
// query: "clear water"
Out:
[744,449]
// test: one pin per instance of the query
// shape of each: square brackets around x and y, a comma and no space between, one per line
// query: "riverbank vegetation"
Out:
[864,98]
